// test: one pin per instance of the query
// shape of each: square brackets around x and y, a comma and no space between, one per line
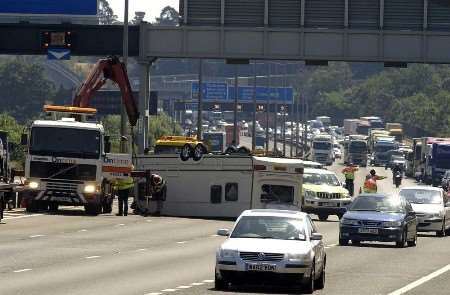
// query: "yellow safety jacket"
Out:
[124,183]
[349,172]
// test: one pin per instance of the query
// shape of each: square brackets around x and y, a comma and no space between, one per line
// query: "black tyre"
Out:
[220,284]
[53,207]
[309,287]
[402,243]
[343,242]
[32,207]
[230,150]
[107,208]
[93,209]
[199,151]
[186,152]
[356,243]
[323,217]
[243,150]
[320,282]
[442,232]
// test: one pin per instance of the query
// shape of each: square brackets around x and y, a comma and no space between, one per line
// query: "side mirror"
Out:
[223,232]
[107,144]
[24,139]
[316,237]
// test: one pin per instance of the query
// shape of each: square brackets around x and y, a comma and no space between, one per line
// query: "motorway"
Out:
[70,253]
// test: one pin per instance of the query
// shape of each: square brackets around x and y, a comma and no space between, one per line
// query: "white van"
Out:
[223,185]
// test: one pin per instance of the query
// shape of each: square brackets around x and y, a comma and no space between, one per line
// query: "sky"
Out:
[152,8]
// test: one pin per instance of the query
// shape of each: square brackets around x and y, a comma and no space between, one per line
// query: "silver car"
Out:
[277,246]
[431,206]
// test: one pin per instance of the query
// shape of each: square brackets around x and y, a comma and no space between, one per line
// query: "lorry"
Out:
[215,141]
[326,121]
[355,150]
[68,158]
[396,130]
[381,148]
[224,185]
[374,134]
[350,126]
[375,122]
[436,157]
[322,149]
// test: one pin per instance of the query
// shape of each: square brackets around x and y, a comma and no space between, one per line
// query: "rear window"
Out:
[277,193]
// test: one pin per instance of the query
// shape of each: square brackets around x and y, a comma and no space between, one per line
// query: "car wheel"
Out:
[413,243]
[308,287]
[53,207]
[323,217]
[343,242]
[220,284]
[441,233]
[320,282]
[356,242]
[402,243]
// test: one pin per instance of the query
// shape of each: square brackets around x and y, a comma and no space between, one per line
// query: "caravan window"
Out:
[216,194]
[277,193]
[231,192]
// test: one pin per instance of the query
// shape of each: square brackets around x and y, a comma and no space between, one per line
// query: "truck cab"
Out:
[322,149]
[381,150]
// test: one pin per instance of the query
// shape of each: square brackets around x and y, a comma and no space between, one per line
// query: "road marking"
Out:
[24,216]
[214,236]
[182,242]
[36,236]
[184,287]
[154,293]
[22,270]
[169,290]
[140,250]
[92,257]
[120,224]
[330,246]
[421,281]
[82,230]
[208,281]
[197,284]
[149,220]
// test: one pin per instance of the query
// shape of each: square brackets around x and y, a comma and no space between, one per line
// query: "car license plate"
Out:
[373,231]
[325,204]
[261,267]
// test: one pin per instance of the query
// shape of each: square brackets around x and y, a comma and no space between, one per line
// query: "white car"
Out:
[432,208]
[278,246]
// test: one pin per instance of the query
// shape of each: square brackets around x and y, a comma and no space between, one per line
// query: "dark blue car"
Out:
[381,218]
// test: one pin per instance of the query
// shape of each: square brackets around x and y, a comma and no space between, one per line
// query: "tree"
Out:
[15,130]
[24,89]
[106,13]
[168,17]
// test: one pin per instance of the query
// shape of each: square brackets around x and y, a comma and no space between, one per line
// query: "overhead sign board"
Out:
[58,54]
[49,7]
[221,92]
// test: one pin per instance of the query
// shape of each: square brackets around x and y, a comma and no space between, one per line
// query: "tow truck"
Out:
[68,160]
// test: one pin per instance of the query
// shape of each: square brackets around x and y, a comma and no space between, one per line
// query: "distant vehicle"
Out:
[374,122]
[350,126]
[326,121]
[215,141]
[381,150]
[396,157]
[272,246]
[431,206]
[445,183]
[355,150]
[379,217]
[396,130]
[337,152]
[322,149]
[436,155]
[324,194]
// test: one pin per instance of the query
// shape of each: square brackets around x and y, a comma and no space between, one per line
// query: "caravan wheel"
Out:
[186,152]
[199,151]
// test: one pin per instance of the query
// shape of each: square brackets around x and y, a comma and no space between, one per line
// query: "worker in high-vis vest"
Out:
[370,185]
[124,187]
[349,173]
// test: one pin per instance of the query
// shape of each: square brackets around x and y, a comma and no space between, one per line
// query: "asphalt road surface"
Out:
[70,253]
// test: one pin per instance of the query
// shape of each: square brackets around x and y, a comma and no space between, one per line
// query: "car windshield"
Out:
[357,146]
[320,179]
[321,145]
[422,196]
[383,148]
[377,203]
[269,227]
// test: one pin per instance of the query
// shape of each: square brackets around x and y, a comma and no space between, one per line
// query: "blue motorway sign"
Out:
[211,91]
[58,54]
[221,92]
[49,7]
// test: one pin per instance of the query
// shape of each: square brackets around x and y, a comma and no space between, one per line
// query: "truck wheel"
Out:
[199,151]
[186,152]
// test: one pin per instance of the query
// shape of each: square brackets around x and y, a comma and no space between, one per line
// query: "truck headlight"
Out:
[310,194]
[89,188]
[227,253]
[33,185]
[392,223]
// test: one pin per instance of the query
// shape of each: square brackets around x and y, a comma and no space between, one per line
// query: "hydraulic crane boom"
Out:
[108,68]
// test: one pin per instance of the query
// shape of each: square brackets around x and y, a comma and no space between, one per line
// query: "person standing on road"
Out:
[349,173]
[370,185]
[124,187]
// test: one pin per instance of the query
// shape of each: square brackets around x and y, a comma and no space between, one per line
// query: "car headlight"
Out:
[34,185]
[437,215]
[298,257]
[392,223]
[227,253]
[90,189]
[346,221]
[310,194]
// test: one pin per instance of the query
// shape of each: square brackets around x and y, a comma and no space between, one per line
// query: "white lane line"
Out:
[140,250]
[214,236]
[92,257]
[169,290]
[184,287]
[120,224]
[421,281]
[24,216]
[182,242]
[197,284]
[22,270]
[149,220]
[208,281]
[36,236]
[82,230]
[154,293]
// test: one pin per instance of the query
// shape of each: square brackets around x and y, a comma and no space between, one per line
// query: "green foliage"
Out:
[168,17]
[106,14]
[15,130]
[24,88]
